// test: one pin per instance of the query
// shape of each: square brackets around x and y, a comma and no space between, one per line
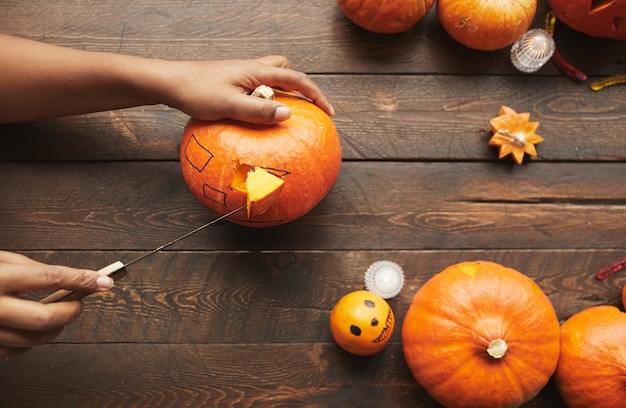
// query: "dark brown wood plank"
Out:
[382,117]
[311,375]
[373,205]
[314,34]
[145,133]
[239,316]
[286,297]
[275,290]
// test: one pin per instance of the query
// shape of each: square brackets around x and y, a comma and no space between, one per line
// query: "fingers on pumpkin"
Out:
[304,151]
[258,111]
[290,80]
[279,61]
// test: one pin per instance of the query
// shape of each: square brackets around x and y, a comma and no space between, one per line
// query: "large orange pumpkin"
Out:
[604,18]
[486,25]
[385,16]
[304,151]
[592,366]
[481,335]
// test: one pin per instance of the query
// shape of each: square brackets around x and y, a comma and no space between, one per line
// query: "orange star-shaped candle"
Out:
[514,134]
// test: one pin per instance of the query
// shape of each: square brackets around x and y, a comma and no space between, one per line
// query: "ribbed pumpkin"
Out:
[480,335]
[486,25]
[592,367]
[385,16]
[303,150]
[595,18]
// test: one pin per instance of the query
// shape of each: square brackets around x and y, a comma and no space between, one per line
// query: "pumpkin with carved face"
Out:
[362,322]
[597,18]
[281,171]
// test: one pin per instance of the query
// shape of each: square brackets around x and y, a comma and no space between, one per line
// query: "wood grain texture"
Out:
[251,329]
[239,317]
[373,205]
[255,375]
[286,296]
[381,117]
[314,34]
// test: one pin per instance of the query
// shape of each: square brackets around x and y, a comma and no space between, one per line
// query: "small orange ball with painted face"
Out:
[362,323]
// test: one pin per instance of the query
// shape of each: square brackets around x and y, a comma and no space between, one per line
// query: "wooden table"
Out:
[239,317]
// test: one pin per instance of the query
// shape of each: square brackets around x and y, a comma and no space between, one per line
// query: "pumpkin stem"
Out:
[518,139]
[497,348]
[263,91]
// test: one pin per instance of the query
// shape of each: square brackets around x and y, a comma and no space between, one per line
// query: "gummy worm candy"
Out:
[610,268]
[558,60]
[608,81]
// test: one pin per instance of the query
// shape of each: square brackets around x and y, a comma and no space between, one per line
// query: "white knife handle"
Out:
[116,271]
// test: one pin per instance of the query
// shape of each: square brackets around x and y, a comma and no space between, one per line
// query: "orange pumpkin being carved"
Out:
[486,25]
[304,151]
[480,335]
[592,366]
[595,18]
[385,16]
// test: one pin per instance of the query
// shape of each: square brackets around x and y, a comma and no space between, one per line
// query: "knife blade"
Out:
[117,269]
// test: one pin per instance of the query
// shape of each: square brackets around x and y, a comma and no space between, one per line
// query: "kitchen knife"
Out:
[117,269]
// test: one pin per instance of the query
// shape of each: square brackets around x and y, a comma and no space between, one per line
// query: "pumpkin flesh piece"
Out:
[261,187]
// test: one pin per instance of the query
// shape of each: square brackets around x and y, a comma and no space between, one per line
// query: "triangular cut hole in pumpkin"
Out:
[238,182]
[599,4]
[619,23]
[261,187]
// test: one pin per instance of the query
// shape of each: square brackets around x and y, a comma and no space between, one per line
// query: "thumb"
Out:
[25,277]
[252,109]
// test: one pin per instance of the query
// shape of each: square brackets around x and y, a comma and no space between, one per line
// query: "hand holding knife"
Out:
[117,269]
